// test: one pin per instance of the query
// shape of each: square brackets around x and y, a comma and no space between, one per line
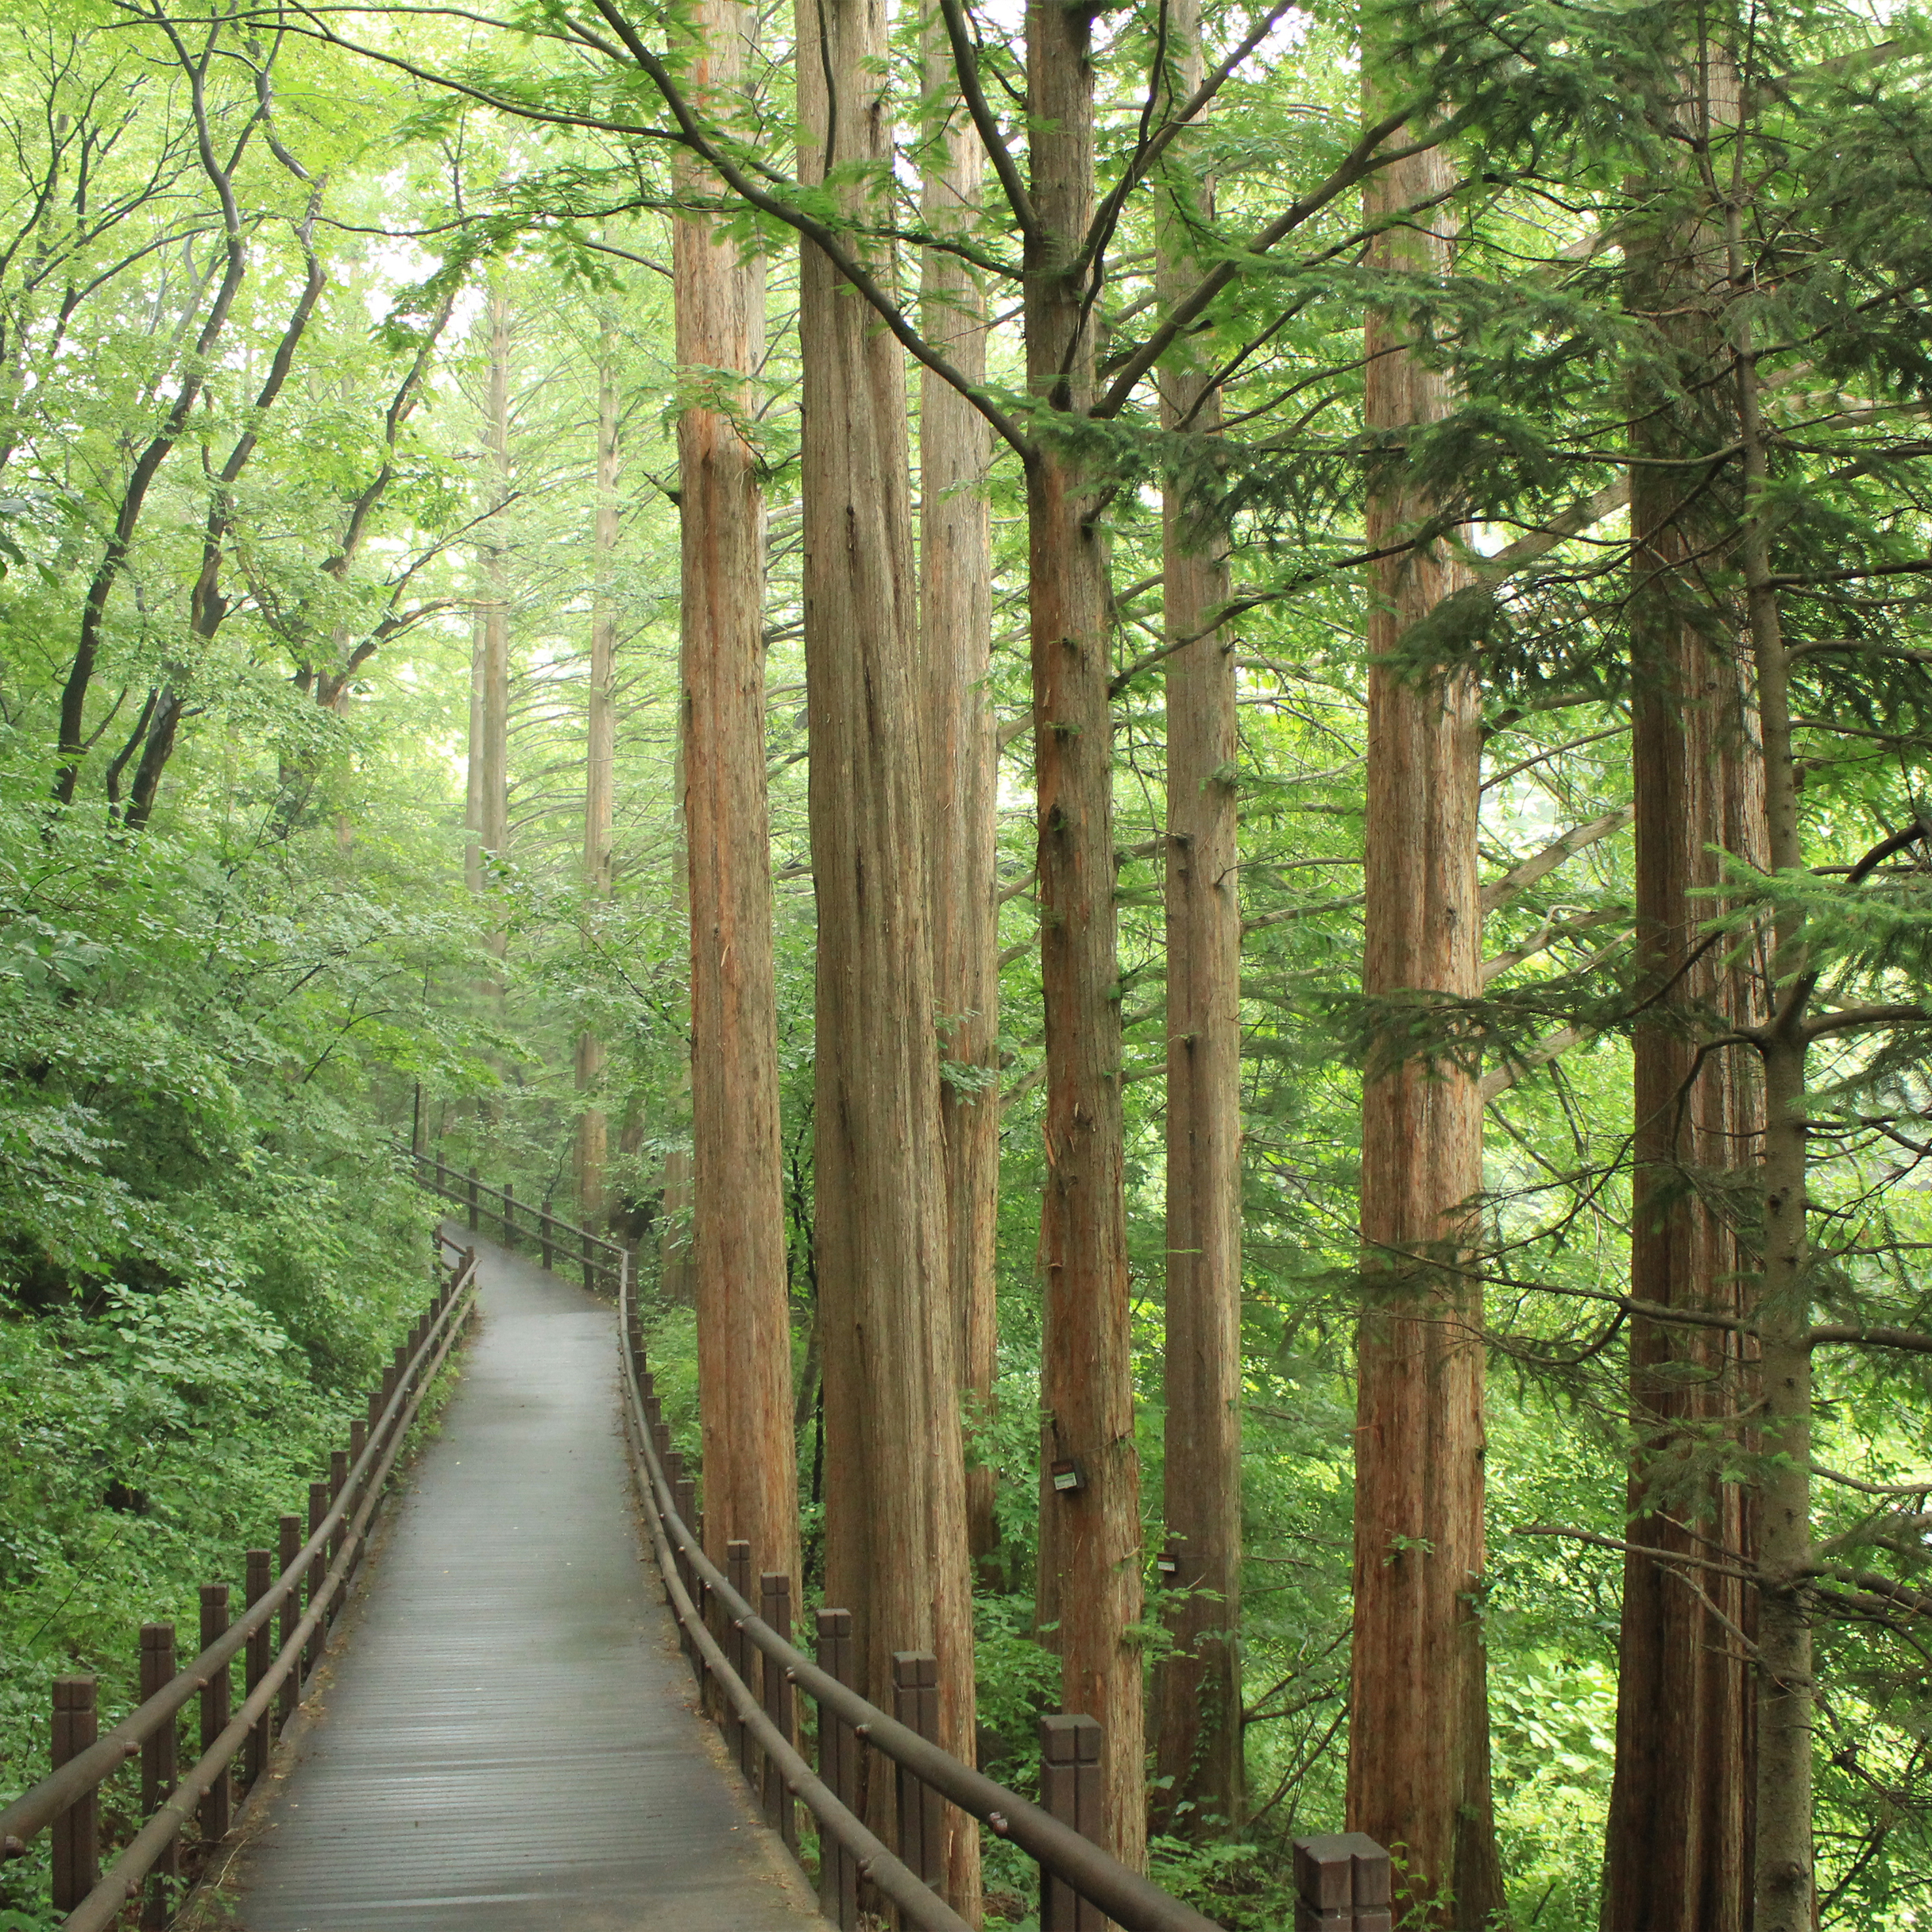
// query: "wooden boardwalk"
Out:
[509,1743]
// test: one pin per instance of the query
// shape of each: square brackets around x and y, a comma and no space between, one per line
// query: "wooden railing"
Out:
[605,1263]
[750,1672]
[740,1651]
[304,1596]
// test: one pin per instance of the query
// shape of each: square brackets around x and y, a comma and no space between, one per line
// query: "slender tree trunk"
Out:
[1418,1761]
[1090,1537]
[493,796]
[73,740]
[208,607]
[738,1241]
[1199,1735]
[472,779]
[1677,1853]
[1783,1882]
[962,752]
[895,1525]
[600,754]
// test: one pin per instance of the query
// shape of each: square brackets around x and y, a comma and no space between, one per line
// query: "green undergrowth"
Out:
[147,1439]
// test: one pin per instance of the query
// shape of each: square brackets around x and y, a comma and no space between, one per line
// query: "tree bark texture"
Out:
[962,753]
[1678,1855]
[1418,1765]
[1784,1884]
[738,1241]
[1090,1536]
[1199,1738]
[600,758]
[894,1477]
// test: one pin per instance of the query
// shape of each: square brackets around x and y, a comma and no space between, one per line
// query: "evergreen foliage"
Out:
[216,1017]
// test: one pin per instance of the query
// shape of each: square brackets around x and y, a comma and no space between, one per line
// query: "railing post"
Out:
[158,1772]
[338,1481]
[318,1568]
[259,1581]
[590,1273]
[922,1818]
[509,1215]
[683,1494]
[76,1831]
[215,1700]
[1342,1883]
[1070,1790]
[838,1765]
[443,1183]
[472,1201]
[290,1548]
[774,1606]
[738,1574]
[543,1233]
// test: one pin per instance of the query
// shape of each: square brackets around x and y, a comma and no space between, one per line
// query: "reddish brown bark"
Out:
[1199,1756]
[895,1482]
[1090,1537]
[1418,1765]
[956,634]
[738,1243]
[1677,1854]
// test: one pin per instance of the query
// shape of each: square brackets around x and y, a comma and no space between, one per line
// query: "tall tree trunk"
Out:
[1090,1537]
[738,1238]
[962,752]
[1783,1879]
[1419,1760]
[600,754]
[494,798]
[1677,1854]
[1199,1752]
[472,776]
[895,1523]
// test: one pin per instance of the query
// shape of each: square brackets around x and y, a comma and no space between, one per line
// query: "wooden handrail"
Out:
[1131,1901]
[39,1807]
[464,1188]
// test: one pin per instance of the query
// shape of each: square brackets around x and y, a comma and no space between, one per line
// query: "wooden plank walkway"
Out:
[510,1743]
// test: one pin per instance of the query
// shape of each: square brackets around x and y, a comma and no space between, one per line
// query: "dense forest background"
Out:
[338,361]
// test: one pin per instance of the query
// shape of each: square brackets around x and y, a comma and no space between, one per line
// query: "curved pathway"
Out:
[509,1743]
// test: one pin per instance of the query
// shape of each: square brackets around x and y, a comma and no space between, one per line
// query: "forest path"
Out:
[509,1742]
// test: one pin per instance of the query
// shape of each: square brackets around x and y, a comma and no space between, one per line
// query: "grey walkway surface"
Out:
[508,1743]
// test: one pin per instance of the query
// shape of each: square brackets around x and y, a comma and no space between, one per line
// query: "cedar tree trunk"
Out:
[956,632]
[1418,1763]
[1677,1851]
[1784,1880]
[1090,1536]
[894,1476]
[1200,1732]
[738,1241]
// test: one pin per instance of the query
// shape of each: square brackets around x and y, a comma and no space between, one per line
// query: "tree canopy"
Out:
[1550,377]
